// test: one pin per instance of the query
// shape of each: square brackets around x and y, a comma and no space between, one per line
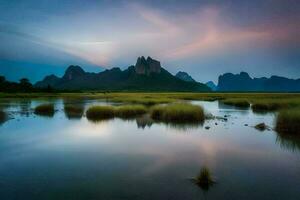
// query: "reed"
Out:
[288,122]
[44,110]
[98,113]
[130,111]
[178,113]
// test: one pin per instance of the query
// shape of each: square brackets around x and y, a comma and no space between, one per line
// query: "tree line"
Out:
[23,85]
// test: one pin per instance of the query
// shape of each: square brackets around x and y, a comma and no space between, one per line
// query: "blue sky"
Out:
[204,38]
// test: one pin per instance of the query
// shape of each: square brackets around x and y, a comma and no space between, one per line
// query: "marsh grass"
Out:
[274,104]
[204,179]
[288,122]
[178,113]
[241,103]
[263,107]
[99,113]
[130,111]
[145,100]
[45,110]
[73,111]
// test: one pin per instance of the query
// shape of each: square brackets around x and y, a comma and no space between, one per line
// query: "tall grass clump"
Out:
[265,106]
[204,179]
[44,110]
[98,113]
[237,103]
[274,104]
[178,113]
[73,111]
[130,111]
[288,122]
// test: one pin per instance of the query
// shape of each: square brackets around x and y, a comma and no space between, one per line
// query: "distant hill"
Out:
[146,75]
[211,85]
[15,70]
[184,76]
[243,82]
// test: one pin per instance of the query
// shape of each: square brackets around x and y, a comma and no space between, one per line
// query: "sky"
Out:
[205,38]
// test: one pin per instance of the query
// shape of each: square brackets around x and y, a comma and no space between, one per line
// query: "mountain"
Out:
[243,82]
[146,75]
[184,76]
[211,85]
[15,70]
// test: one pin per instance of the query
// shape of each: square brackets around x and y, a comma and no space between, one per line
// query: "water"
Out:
[71,158]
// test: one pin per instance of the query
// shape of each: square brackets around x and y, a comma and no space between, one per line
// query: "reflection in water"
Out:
[99,120]
[184,126]
[144,121]
[204,179]
[230,108]
[25,107]
[74,110]
[3,117]
[288,142]
[63,159]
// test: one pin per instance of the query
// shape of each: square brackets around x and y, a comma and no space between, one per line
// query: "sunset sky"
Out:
[204,38]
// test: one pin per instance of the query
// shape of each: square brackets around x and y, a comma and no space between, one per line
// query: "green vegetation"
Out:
[44,110]
[241,103]
[204,179]
[130,111]
[266,106]
[258,100]
[274,104]
[98,113]
[288,122]
[73,111]
[178,113]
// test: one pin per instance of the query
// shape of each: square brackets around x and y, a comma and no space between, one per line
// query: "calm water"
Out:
[67,157]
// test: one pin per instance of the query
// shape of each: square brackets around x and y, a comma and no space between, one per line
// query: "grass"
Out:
[274,104]
[288,122]
[265,106]
[73,111]
[130,111]
[260,101]
[44,110]
[204,179]
[178,113]
[241,103]
[99,113]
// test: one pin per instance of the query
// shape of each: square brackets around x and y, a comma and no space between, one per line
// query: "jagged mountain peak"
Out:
[72,72]
[147,66]
[184,76]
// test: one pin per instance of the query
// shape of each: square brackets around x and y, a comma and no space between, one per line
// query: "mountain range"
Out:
[145,75]
[243,82]
[149,75]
